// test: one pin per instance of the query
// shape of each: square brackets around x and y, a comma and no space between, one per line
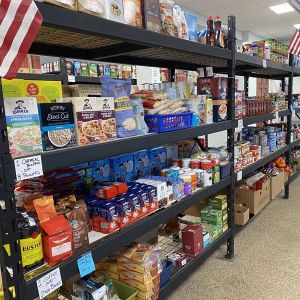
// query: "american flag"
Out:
[294,47]
[20,21]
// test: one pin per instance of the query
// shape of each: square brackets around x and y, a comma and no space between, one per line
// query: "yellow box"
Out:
[13,88]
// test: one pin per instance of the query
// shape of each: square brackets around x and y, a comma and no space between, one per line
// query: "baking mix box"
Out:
[122,168]
[23,126]
[141,163]
[57,125]
[158,159]
[100,171]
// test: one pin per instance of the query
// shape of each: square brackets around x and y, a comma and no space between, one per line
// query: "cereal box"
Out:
[158,159]
[86,111]
[57,124]
[122,168]
[23,126]
[43,91]
[107,118]
[141,163]
[100,171]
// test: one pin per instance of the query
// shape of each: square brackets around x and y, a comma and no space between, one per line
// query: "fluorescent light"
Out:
[282,8]
[297,26]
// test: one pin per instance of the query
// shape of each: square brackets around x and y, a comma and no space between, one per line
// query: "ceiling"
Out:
[251,15]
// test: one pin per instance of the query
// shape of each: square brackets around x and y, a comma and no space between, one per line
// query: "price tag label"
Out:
[264,63]
[71,78]
[239,176]
[49,283]
[28,167]
[86,264]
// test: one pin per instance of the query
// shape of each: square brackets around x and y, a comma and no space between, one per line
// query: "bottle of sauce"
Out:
[219,37]
[210,33]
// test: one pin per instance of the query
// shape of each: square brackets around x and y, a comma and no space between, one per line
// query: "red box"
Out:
[217,87]
[57,239]
[192,239]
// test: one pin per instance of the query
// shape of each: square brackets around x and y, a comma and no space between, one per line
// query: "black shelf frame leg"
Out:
[289,123]
[246,86]
[11,267]
[230,133]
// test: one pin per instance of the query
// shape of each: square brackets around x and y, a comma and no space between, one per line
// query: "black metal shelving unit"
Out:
[104,40]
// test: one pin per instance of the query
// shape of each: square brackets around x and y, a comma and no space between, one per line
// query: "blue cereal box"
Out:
[100,171]
[158,159]
[122,168]
[141,163]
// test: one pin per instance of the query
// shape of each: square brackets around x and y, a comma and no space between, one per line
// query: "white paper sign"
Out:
[71,78]
[28,167]
[49,283]
[264,63]
[239,175]
[201,72]
[209,72]
[277,115]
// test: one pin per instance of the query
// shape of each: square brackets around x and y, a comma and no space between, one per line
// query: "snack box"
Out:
[121,187]
[93,70]
[76,68]
[106,192]
[158,159]
[107,118]
[23,126]
[100,171]
[69,67]
[57,125]
[217,87]
[122,168]
[85,71]
[219,110]
[43,91]
[141,163]
[124,211]
[218,202]
[211,215]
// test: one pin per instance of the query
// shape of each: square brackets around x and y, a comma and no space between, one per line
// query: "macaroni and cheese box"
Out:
[43,91]
[141,163]
[57,124]
[158,159]
[23,126]
[122,168]
[100,171]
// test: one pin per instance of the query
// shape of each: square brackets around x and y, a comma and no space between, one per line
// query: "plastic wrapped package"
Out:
[70,4]
[192,22]
[139,113]
[133,12]
[180,23]
[166,12]
[93,7]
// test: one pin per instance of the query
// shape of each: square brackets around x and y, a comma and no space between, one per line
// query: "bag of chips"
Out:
[120,90]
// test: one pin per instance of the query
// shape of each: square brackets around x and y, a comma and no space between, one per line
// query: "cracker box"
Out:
[86,112]
[158,159]
[107,118]
[122,168]
[23,126]
[141,163]
[100,171]
[57,124]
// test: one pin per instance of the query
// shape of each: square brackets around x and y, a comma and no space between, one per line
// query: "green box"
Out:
[218,202]
[211,215]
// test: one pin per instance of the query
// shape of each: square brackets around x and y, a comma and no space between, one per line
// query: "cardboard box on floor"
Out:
[241,214]
[254,200]
[277,185]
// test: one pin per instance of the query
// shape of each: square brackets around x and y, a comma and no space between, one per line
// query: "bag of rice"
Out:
[125,118]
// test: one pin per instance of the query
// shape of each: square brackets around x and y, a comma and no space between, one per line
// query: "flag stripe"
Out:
[293,40]
[13,29]
[19,37]
[25,46]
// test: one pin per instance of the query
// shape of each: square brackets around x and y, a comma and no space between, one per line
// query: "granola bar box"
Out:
[23,126]
[57,125]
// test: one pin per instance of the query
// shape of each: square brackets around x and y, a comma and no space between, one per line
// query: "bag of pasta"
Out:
[125,118]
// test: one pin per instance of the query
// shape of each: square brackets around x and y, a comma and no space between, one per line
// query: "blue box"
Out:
[158,159]
[100,171]
[141,163]
[122,168]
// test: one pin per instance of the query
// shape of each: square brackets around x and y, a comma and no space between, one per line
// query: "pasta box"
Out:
[219,110]
[141,163]
[23,126]
[86,113]
[122,168]
[158,159]
[57,239]
[100,171]
[216,87]
[107,118]
[57,124]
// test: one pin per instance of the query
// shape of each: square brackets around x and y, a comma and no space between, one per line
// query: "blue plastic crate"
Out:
[169,122]
[166,273]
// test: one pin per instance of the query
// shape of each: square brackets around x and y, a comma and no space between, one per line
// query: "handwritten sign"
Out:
[49,283]
[86,264]
[71,78]
[28,167]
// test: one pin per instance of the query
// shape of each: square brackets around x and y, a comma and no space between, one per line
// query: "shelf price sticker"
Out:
[240,126]
[264,63]
[49,283]
[86,264]
[28,167]
[239,176]
[71,78]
